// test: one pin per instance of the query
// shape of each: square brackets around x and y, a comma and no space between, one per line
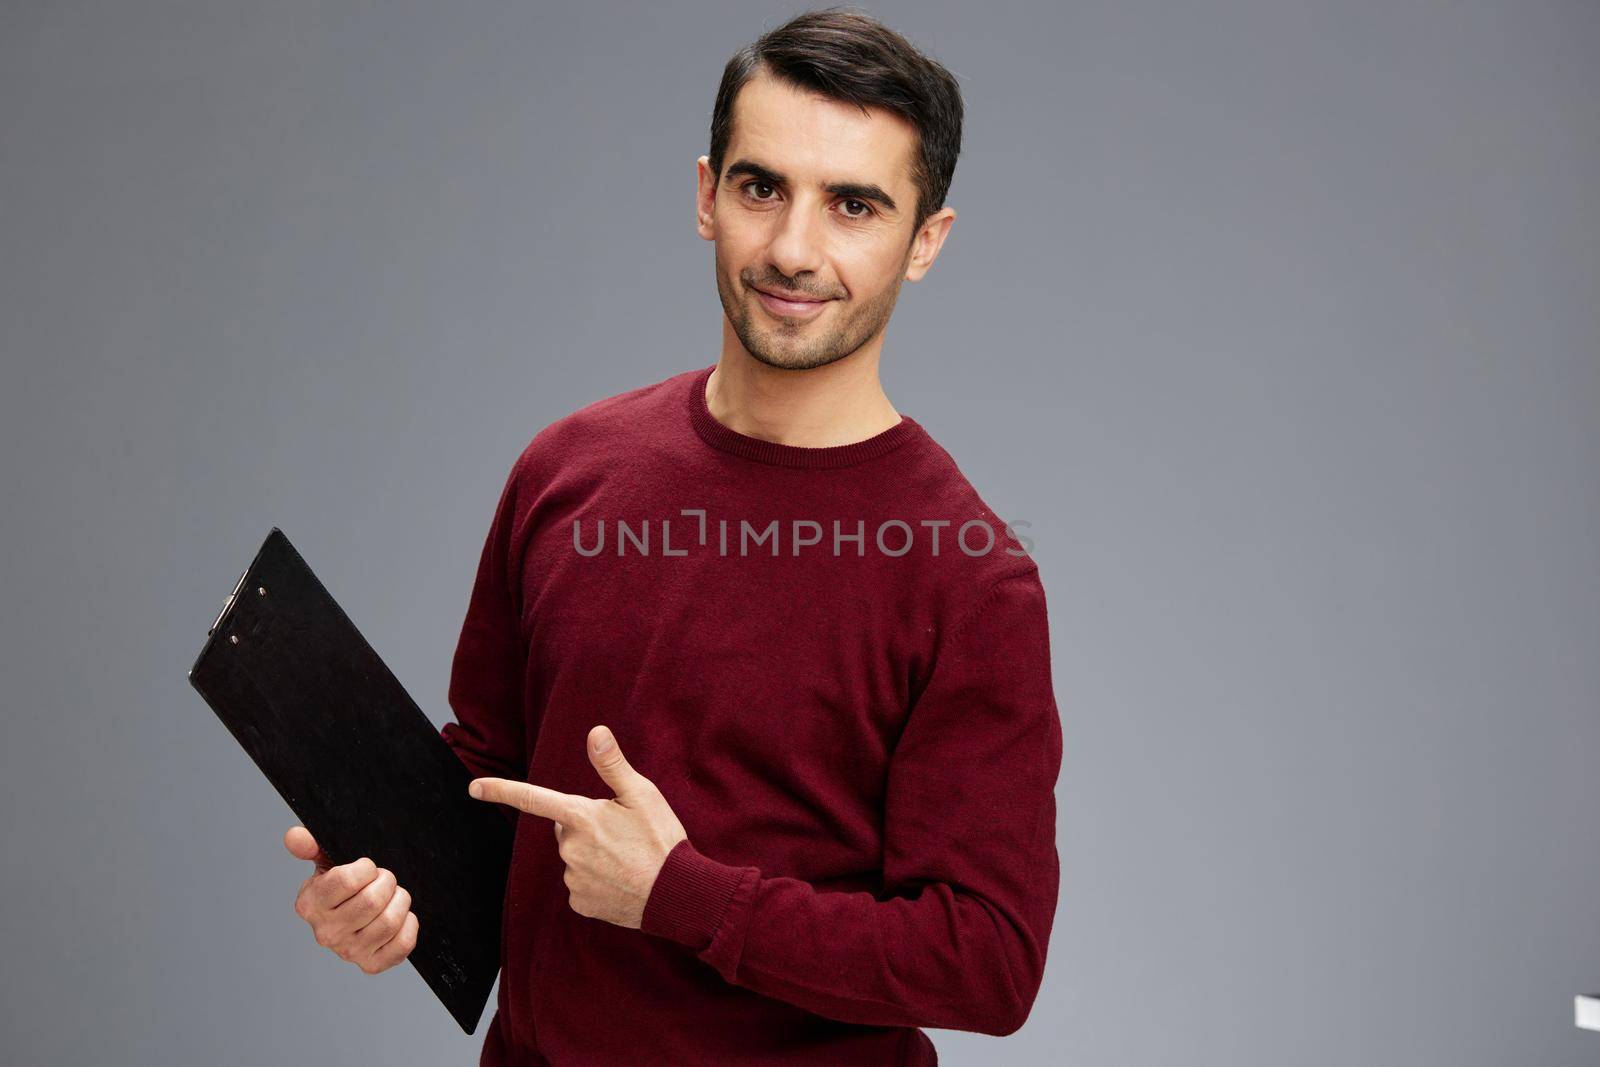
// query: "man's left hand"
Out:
[613,849]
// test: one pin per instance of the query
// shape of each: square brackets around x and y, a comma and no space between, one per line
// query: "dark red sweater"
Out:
[863,745]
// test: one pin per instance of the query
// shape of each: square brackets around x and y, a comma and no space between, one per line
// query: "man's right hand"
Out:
[356,910]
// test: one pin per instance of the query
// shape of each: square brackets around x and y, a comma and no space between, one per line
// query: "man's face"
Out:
[815,200]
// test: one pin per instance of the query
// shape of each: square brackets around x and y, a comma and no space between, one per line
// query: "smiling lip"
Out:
[778,305]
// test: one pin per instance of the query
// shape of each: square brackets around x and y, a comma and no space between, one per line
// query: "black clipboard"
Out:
[359,763]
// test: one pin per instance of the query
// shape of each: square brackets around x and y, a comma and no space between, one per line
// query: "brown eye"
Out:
[860,204]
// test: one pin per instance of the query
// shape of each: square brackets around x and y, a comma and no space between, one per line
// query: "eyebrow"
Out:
[850,190]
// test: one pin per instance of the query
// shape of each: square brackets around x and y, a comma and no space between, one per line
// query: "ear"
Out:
[705,199]
[928,240]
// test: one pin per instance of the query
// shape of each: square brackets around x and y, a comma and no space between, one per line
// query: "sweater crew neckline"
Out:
[728,439]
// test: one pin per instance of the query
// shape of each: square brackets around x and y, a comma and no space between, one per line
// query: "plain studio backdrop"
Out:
[1277,321]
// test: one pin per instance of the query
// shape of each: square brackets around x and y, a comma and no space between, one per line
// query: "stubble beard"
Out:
[785,345]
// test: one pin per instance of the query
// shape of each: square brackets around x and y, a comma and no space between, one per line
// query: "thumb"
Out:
[303,846]
[606,756]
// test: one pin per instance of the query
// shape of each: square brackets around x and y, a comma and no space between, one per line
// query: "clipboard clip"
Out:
[228,602]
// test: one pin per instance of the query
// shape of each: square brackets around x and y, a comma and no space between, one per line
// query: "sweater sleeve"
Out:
[970,867]
[486,676]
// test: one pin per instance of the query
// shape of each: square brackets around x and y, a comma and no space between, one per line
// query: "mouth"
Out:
[791,306]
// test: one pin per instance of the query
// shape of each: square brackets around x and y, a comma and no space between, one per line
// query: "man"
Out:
[771,713]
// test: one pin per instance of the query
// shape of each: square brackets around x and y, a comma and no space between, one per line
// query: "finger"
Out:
[305,899]
[384,926]
[339,884]
[367,904]
[303,846]
[557,827]
[605,754]
[399,946]
[533,799]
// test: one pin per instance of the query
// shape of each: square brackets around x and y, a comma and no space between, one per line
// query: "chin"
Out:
[794,361]
[781,362]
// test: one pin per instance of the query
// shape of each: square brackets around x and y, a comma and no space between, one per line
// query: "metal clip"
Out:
[229,600]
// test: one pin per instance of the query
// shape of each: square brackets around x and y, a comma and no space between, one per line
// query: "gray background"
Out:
[1277,320]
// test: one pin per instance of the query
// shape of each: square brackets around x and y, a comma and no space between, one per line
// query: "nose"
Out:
[797,244]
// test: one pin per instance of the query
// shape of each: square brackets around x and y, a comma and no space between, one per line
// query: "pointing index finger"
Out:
[525,796]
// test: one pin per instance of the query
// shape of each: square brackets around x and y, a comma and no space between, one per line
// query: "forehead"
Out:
[818,139]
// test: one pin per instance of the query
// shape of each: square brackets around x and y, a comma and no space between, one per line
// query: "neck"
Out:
[837,404]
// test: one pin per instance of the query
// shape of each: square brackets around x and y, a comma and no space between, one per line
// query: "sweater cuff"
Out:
[690,896]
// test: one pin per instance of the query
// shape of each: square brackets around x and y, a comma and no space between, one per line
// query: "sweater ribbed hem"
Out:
[727,439]
[690,896]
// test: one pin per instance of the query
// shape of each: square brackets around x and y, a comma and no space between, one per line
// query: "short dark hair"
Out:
[851,56]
